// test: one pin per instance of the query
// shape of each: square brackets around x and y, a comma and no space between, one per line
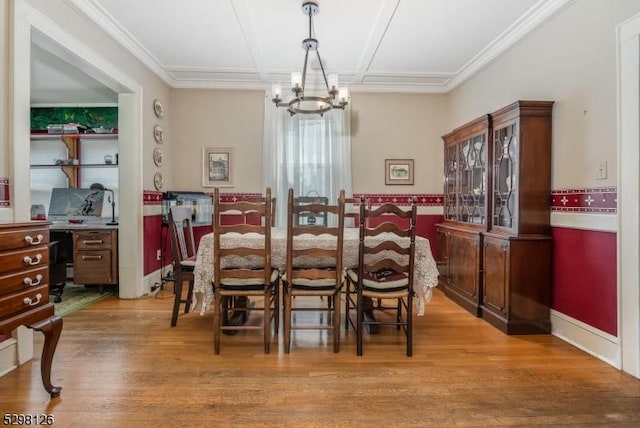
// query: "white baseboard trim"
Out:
[8,352]
[601,345]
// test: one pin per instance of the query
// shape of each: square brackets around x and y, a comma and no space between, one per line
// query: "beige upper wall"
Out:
[397,126]
[383,126]
[4,82]
[572,61]
[216,118]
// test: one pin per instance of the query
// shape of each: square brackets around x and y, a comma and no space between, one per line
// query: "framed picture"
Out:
[217,167]
[398,171]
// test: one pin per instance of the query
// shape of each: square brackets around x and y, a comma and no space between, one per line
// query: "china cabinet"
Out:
[465,212]
[496,236]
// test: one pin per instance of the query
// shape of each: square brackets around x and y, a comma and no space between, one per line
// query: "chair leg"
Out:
[336,322]
[409,312]
[346,304]
[217,320]
[287,318]
[359,318]
[177,297]
[187,306]
[267,320]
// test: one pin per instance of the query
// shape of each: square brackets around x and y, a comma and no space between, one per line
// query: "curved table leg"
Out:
[51,328]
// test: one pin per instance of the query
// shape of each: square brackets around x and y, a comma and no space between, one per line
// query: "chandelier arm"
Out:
[324,75]
[304,70]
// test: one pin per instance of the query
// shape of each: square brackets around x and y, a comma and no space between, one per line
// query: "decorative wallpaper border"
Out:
[404,199]
[5,198]
[599,200]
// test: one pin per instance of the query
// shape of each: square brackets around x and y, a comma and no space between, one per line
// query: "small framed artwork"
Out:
[217,167]
[398,171]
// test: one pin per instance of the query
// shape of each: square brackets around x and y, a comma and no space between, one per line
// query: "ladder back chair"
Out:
[314,266]
[243,269]
[384,272]
[184,258]
[352,210]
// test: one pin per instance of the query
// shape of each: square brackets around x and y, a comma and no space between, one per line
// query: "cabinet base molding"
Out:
[514,326]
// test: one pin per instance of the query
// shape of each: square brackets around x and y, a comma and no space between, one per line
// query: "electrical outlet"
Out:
[158,255]
[601,170]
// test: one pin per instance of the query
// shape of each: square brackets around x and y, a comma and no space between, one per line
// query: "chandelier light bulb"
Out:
[276,90]
[343,94]
[296,80]
[333,81]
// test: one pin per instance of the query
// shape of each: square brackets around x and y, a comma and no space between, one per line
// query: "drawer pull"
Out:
[29,239]
[32,262]
[91,257]
[93,242]
[29,281]
[29,302]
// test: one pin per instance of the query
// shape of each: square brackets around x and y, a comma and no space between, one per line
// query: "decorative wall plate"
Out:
[157,109]
[158,134]
[157,157]
[157,181]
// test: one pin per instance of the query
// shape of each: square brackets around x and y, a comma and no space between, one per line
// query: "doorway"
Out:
[28,22]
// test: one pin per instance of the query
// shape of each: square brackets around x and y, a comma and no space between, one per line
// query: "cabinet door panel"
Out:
[496,275]
[463,264]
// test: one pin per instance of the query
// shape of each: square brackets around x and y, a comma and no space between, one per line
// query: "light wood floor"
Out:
[121,365]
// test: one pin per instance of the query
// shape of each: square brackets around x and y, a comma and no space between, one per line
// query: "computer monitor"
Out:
[75,204]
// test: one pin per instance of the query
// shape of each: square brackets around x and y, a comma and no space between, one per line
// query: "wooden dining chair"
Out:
[184,257]
[385,272]
[243,271]
[352,210]
[314,267]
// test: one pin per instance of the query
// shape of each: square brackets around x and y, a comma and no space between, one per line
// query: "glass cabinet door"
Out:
[472,185]
[504,176]
[450,175]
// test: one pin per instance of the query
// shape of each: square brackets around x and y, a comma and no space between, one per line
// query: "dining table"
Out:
[425,268]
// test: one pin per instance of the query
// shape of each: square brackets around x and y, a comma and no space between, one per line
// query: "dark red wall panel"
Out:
[585,278]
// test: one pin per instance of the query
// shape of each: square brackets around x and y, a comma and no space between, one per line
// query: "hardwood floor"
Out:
[121,364]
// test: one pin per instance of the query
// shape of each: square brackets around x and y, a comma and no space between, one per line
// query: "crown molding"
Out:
[93,10]
[536,16]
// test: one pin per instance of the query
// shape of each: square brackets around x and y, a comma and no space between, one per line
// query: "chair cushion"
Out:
[313,284]
[191,261]
[382,280]
[248,283]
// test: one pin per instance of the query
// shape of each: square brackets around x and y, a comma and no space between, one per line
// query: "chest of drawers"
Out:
[24,288]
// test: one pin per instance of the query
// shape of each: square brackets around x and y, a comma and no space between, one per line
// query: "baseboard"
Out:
[8,353]
[601,345]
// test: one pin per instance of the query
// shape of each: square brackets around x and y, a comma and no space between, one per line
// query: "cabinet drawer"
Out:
[24,259]
[97,240]
[92,267]
[26,237]
[23,301]
[23,279]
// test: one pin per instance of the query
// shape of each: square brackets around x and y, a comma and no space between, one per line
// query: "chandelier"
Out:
[311,104]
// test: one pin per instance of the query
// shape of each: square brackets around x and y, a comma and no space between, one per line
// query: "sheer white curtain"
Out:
[308,153]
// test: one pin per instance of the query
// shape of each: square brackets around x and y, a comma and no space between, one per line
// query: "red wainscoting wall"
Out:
[585,278]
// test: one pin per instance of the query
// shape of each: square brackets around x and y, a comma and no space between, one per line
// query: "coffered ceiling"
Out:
[374,45]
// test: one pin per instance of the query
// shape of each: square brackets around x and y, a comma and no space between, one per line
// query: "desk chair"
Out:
[385,270]
[57,271]
[313,269]
[184,257]
[244,271]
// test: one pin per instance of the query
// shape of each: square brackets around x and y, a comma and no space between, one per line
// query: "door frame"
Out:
[25,19]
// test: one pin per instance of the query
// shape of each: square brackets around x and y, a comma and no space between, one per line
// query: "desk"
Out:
[426,272]
[94,251]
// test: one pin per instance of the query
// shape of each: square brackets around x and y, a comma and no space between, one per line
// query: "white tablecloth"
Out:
[425,269]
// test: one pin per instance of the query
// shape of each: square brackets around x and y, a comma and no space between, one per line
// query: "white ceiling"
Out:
[374,45]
